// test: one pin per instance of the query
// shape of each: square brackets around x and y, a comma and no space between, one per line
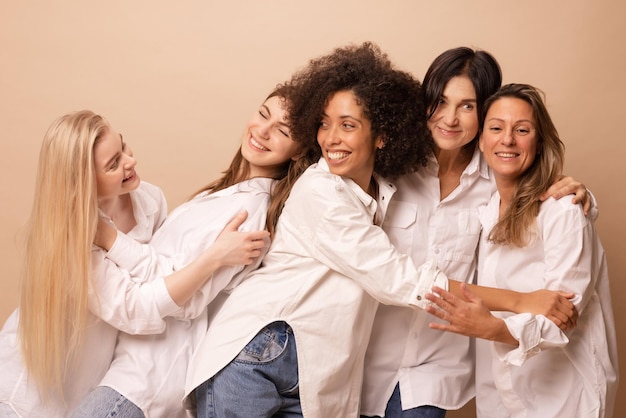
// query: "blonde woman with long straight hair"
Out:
[59,344]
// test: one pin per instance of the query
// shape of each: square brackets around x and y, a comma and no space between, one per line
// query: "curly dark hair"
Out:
[391,100]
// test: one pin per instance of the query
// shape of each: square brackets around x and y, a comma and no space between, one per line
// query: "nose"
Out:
[329,136]
[264,130]
[129,161]
[508,137]
[449,115]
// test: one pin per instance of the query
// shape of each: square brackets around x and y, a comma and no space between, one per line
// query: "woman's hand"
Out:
[554,305]
[568,185]
[468,317]
[233,248]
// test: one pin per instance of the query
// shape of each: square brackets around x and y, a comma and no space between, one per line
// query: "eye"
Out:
[495,129]
[323,125]
[285,133]
[348,125]
[263,115]
[468,107]
[522,131]
[115,164]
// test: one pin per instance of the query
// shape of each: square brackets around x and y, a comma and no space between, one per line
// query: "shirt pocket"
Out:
[461,256]
[399,224]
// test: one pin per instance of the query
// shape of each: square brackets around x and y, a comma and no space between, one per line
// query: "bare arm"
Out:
[467,315]
[229,249]
[554,305]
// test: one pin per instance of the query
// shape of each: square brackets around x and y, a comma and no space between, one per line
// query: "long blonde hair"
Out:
[57,264]
[518,220]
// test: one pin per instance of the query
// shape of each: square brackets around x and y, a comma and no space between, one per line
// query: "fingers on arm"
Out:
[237,220]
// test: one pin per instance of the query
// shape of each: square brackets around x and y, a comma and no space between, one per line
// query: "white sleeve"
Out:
[130,306]
[338,234]
[227,277]
[534,333]
[569,241]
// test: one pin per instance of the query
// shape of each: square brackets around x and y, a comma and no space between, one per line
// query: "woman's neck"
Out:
[506,190]
[120,210]
[451,163]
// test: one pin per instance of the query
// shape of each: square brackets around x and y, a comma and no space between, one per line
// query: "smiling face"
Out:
[455,120]
[266,143]
[509,140]
[114,166]
[345,137]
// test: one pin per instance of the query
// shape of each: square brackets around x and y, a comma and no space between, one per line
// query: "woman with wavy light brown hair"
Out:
[525,364]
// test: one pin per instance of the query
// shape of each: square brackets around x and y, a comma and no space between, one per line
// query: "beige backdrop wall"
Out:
[179,80]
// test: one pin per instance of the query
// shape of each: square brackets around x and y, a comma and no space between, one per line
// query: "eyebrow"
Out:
[324,114]
[285,124]
[516,121]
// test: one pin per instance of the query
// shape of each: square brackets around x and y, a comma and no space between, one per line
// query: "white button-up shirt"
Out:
[327,268]
[150,209]
[150,370]
[551,373]
[432,367]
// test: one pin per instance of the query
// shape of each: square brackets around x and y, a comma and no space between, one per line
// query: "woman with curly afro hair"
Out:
[290,339]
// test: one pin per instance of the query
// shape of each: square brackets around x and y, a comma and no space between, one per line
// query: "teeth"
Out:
[255,144]
[337,155]
[505,155]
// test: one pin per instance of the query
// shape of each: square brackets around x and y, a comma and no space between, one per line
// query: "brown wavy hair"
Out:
[516,224]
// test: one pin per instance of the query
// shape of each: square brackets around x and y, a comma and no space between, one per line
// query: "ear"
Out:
[480,142]
[379,142]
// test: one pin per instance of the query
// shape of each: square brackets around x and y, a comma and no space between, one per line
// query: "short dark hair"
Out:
[479,66]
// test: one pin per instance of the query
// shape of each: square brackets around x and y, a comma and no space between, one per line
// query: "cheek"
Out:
[321,137]
[470,125]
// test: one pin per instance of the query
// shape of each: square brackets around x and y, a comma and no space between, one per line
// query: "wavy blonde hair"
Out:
[519,219]
[57,263]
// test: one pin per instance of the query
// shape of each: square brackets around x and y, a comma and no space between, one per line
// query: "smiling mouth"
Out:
[130,177]
[447,132]
[506,154]
[256,145]
[337,155]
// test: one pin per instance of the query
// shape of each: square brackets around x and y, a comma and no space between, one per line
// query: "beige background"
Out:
[180,78]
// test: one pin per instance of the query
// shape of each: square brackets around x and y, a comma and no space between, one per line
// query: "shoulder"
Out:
[315,179]
[562,211]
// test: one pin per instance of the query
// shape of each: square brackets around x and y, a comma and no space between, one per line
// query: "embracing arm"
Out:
[554,305]
[467,315]
[231,248]
[569,245]
[568,185]
[127,298]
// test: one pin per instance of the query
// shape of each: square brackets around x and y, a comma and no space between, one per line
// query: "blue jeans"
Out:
[104,402]
[394,409]
[262,381]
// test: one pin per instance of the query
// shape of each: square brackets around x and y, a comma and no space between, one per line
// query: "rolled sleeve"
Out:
[533,333]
